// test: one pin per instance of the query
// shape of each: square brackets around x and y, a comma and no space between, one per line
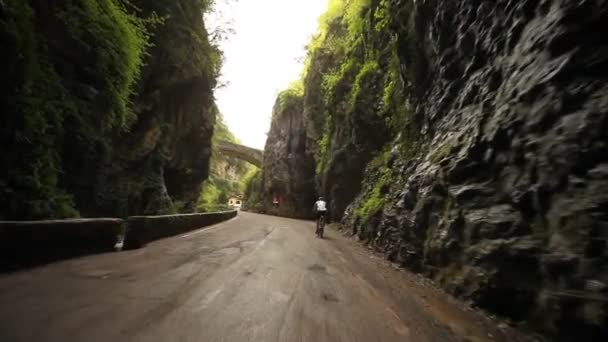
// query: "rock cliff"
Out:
[286,185]
[467,141]
[165,158]
[69,70]
[107,107]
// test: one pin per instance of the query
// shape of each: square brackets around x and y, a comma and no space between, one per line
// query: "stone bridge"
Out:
[251,155]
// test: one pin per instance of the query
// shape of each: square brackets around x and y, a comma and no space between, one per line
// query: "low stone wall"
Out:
[143,229]
[29,243]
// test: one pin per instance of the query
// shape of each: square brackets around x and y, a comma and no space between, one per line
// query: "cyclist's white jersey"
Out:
[321,205]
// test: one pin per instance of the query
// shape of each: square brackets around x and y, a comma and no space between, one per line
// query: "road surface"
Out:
[253,278]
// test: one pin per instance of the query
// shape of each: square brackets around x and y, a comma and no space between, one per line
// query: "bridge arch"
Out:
[248,154]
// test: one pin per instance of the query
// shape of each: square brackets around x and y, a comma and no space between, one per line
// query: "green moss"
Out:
[370,205]
[362,95]
[337,84]
[380,160]
[374,199]
[323,156]
[251,173]
[70,74]
[361,81]
[210,196]
[332,17]
[354,16]
[51,94]
[107,36]
[382,18]
[253,190]
[290,97]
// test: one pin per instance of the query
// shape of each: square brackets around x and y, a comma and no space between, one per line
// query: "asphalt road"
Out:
[253,278]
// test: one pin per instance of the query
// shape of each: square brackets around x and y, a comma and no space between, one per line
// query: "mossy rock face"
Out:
[352,104]
[58,113]
[112,139]
[467,142]
[175,107]
[287,174]
[488,203]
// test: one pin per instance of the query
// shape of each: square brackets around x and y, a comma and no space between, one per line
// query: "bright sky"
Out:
[262,58]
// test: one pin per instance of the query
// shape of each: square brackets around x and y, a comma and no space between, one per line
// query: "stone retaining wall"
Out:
[143,229]
[30,243]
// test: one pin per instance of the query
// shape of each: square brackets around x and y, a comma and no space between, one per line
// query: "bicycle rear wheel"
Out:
[321,226]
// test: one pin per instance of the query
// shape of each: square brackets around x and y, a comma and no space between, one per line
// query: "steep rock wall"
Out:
[505,200]
[467,139]
[160,166]
[344,128]
[288,169]
[58,113]
[120,138]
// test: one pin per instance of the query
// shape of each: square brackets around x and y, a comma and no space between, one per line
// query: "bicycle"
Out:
[320,226]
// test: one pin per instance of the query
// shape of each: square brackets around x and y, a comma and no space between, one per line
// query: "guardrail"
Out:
[30,243]
[27,243]
[143,229]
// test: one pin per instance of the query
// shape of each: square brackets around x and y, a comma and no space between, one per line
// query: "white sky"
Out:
[262,58]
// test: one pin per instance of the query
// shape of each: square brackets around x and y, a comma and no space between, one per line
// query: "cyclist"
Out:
[320,209]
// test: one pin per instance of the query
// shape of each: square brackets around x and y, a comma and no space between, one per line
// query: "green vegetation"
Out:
[358,83]
[360,38]
[290,96]
[71,73]
[253,189]
[324,147]
[362,95]
[249,177]
[82,81]
[95,26]
[373,198]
